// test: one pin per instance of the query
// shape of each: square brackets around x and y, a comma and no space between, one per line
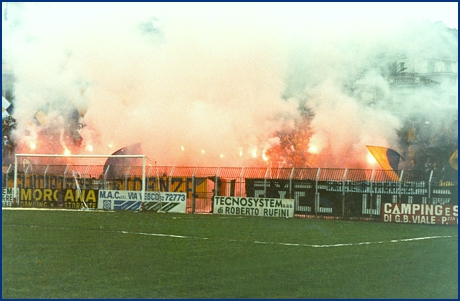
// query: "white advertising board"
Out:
[253,206]
[132,200]
[7,197]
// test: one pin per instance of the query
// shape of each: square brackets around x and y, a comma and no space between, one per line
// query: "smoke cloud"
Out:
[221,84]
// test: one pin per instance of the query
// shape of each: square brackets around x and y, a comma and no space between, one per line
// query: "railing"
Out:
[318,191]
[319,174]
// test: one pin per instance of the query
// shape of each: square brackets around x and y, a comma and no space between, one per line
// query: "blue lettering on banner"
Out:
[165,201]
[152,196]
[132,195]
[102,194]
[132,200]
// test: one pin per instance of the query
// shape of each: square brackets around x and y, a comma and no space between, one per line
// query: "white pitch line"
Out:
[163,235]
[297,244]
[282,243]
[354,244]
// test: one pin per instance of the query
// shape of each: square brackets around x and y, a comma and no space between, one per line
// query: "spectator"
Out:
[7,147]
[428,165]
[411,165]
[5,127]
[437,172]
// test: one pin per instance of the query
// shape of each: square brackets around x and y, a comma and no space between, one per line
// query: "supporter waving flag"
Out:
[387,158]
[114,166]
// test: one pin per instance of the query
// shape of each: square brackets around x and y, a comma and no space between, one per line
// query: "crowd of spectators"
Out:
[424,147]
[429,147]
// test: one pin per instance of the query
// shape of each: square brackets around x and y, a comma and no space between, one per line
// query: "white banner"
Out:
[7,197]
[253,206]
[132,200]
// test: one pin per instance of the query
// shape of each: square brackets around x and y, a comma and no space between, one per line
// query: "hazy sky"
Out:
[446,12]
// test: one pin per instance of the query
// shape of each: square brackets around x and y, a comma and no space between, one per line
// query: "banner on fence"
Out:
[166,201]
[62,198]
[420,213]
[253,206]
[132,200]
[177,184]
[7,197]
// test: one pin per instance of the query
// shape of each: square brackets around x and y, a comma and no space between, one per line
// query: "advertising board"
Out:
[253,206]
[420,214]
[132,200]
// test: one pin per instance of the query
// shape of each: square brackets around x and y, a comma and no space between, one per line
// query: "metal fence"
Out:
[316,191]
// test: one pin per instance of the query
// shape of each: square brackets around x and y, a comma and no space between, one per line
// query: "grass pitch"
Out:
[88,254]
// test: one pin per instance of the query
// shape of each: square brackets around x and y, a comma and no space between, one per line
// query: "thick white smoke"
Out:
[211,83]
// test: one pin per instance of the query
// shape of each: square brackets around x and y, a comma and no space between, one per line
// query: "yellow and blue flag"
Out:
[115,166]
[387,158]
[453,160]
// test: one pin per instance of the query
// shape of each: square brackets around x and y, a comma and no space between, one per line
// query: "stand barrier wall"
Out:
[328,193]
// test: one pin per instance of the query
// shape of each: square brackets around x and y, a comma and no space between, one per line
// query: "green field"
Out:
[88,254]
